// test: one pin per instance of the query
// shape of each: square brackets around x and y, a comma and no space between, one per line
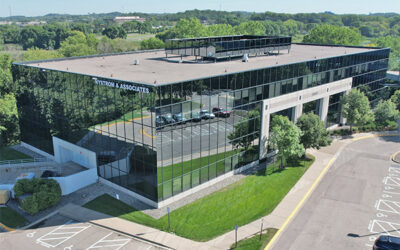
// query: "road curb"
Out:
[393,158]
[9,229]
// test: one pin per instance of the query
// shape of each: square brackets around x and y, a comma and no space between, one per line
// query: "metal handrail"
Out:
[20,161]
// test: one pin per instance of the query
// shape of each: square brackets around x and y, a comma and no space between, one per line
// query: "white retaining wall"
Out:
[72,183]
[65,151]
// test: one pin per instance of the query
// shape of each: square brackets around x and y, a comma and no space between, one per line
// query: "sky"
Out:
[42,7]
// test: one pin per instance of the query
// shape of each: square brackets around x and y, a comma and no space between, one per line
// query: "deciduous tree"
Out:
[285,137]
[356,108]
[314,133]
[152,43]
[386,112]
[395,98]
[331,34]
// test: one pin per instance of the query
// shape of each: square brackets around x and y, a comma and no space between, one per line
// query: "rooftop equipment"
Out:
[221,47]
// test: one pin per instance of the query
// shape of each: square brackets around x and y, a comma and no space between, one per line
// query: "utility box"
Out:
[4,196]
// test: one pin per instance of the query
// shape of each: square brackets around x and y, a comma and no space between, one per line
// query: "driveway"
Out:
[358,199]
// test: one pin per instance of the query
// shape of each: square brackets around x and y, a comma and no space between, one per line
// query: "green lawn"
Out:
[237,204]
[10,218]
[7,153]
[254,243]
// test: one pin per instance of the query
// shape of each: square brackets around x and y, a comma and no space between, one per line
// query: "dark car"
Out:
[159,122]
[205,114]
[179,118]
[386,242]
[48,173]
[221,112]
[168,119]
[196,117]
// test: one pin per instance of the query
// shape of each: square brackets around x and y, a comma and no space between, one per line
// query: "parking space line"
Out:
[389,206]
[386,227]
[143,132]
[392,181]
[49,240]
[102,243]
[394,169]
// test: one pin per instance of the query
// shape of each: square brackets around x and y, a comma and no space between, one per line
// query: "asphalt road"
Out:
[60,232]
[357,200]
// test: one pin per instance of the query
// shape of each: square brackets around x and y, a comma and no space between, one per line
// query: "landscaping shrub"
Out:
[23,186]
[45,193]
[392,125]
[371,126]
[30,205]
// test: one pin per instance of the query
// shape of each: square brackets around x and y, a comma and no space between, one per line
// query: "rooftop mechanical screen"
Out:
[227,46]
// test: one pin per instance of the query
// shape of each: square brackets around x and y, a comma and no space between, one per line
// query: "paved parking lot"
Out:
[60,232]
[192,138]
[358,199]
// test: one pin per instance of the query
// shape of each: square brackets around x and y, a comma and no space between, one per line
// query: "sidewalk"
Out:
[274,220]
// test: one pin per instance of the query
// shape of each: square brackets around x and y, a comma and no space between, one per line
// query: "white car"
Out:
[205,114]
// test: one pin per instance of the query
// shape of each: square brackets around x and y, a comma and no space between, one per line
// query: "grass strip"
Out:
[10,218]
[254,243]
[7,154]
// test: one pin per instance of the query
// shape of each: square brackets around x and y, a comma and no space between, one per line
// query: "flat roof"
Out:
[155,69]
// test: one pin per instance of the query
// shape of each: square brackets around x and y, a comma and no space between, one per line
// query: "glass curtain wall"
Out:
[114,122]
[198,147]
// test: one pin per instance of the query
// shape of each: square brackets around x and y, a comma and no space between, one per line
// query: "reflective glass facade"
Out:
[140,145]
[225,46]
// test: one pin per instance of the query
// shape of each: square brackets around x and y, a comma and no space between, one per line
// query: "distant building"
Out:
[124,19]
[23,24]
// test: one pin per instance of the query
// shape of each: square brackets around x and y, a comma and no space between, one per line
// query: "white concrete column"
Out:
[265,119]
[343,120]
[297,112]
[323,108]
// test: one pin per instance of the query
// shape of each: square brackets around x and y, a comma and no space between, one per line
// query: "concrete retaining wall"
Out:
[72,183]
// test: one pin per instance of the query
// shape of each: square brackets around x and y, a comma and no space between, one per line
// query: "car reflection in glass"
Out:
[179,118]
[196,117]
[205,114]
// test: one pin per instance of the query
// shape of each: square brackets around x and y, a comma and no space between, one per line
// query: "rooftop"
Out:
[154,68]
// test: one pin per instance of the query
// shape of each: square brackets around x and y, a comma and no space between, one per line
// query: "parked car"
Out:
[159,122]
[179,118]
[48,173]
[196,117]
[168,119]
[221,112]
[205,114]
[386,242]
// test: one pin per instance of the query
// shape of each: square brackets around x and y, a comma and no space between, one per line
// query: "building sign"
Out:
[122,86]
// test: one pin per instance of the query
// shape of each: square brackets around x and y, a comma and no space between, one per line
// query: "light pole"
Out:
[236,228]
[169,225]
[262,220]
